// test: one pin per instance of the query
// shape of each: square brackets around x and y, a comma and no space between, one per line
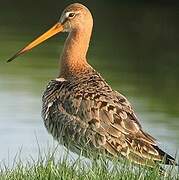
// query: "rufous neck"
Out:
[73,59]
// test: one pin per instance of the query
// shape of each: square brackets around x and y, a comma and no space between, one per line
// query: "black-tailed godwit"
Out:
[81,110]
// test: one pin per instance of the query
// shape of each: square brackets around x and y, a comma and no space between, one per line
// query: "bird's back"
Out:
[85,113]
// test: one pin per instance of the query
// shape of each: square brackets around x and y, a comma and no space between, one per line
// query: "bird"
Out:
[81,110]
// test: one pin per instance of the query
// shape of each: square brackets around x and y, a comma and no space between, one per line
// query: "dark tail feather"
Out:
[167,159]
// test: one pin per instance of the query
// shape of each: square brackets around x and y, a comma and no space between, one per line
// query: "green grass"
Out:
[99,169]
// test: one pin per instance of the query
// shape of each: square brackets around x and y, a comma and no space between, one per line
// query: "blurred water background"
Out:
[134,46]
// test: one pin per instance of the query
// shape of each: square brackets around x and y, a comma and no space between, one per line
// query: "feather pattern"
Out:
[85,112]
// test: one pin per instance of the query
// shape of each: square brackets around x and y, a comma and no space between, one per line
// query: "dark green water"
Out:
[134,46]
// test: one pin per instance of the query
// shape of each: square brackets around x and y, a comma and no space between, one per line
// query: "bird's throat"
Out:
[73,58]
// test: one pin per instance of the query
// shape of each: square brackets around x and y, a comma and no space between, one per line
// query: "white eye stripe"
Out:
[65,16]
[68,13]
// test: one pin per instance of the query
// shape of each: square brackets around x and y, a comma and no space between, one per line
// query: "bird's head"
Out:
[75,17]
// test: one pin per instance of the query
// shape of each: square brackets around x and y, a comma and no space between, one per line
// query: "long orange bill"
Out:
[58,27]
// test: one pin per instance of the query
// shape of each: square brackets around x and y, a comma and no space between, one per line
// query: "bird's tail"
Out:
[166,158]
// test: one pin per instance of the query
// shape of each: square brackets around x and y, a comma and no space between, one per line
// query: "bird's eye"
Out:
[71,15]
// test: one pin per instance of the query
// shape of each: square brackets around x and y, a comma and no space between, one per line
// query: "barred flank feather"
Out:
[86,112]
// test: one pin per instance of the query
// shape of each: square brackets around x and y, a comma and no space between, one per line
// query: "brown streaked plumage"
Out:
[81,110]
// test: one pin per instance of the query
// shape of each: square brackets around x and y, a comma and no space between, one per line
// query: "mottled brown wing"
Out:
[104,119]
[116,127]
